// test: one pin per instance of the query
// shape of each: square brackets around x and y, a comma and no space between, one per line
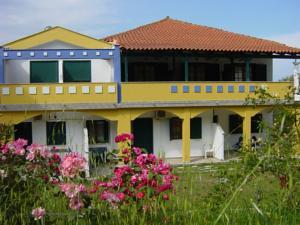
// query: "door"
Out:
[143,133]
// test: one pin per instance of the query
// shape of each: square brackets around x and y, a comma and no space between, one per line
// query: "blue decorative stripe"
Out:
[59,53]
[230,88]
[1,66]
[219,88]
[208,89]
[251,88]
[186,89]
[174,89]
[241,88]
[197,89]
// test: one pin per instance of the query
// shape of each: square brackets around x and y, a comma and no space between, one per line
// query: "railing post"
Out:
[126,68]
[186,70]
[247,71]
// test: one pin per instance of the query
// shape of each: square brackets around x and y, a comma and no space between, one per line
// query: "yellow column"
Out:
[124,122]
[186,145]
[247,129]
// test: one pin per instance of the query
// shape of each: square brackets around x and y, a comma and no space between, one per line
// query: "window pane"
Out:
[23,130]
[77,71]
[175,128]
[196,128]
[56,133]
[98,131]
[235,124]
[43,72]
[255,123]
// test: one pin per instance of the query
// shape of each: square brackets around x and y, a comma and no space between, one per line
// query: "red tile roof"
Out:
[171,34]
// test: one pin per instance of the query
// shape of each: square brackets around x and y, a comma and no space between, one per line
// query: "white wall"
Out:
[173,148]
[75,122]
[18,71]
[56,45]
[232,139]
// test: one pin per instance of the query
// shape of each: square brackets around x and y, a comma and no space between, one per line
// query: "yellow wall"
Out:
[61,34]
[154,91]
[54,98]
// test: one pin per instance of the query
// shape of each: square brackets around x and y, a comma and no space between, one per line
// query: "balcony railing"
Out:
[58,93]
[196,91]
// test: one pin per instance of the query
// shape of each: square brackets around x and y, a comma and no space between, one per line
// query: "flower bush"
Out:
[142,179]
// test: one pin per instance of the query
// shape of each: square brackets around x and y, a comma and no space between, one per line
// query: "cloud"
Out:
[284,67]
[21,18]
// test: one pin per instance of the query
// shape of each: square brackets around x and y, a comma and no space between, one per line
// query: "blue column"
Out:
[117,70]
[186,70]
[247,71]
[1,66]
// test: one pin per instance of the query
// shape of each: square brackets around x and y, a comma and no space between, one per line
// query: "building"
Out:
[179,88]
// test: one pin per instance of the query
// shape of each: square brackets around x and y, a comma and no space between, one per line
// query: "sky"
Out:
[276,20]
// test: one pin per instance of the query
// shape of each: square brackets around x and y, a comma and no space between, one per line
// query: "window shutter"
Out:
[43,72]
[77,71]
[196,128]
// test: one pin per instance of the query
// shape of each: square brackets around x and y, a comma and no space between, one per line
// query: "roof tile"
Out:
[171,34]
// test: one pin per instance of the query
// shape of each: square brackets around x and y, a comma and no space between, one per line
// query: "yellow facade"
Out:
[58,34]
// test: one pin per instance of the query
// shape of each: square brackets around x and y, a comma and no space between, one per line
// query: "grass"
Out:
[201,194]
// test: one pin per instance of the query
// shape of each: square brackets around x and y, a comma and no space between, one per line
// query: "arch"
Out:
[135,113]
[17,117]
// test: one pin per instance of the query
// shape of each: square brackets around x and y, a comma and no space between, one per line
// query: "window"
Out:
[77,71]
[56,133]
[235,124]
[196,72]
[255,123]
[148,71]
[23,130]
[98,131]
[196,128]
[203,72]
[43,72]
[259,72]
[175,128]
[238,73]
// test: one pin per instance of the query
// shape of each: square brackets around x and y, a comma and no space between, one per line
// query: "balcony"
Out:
[141,92]
[66,93]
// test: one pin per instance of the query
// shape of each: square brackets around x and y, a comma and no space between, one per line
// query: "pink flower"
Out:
[20,143]
[137,151]
[121,196]
[5,149]
[124,137]
[72,164]
[30,156]
[38,213]
[140,195]
[72,190]
[141,159]
[164,187]
[76,203]
[109,197]
[166,197]
[19,151]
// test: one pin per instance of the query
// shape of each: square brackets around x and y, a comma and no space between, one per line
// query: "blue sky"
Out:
[271,19]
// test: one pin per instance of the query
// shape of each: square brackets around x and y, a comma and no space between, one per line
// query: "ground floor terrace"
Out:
[171,132]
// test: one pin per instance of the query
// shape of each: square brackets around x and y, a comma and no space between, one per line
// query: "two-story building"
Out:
[179,88]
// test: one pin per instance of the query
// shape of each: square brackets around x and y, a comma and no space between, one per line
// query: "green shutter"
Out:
[43,72]
[196,128]
[56,133]
[77,71]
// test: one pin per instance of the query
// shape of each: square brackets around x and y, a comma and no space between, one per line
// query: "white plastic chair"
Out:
[208,148]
